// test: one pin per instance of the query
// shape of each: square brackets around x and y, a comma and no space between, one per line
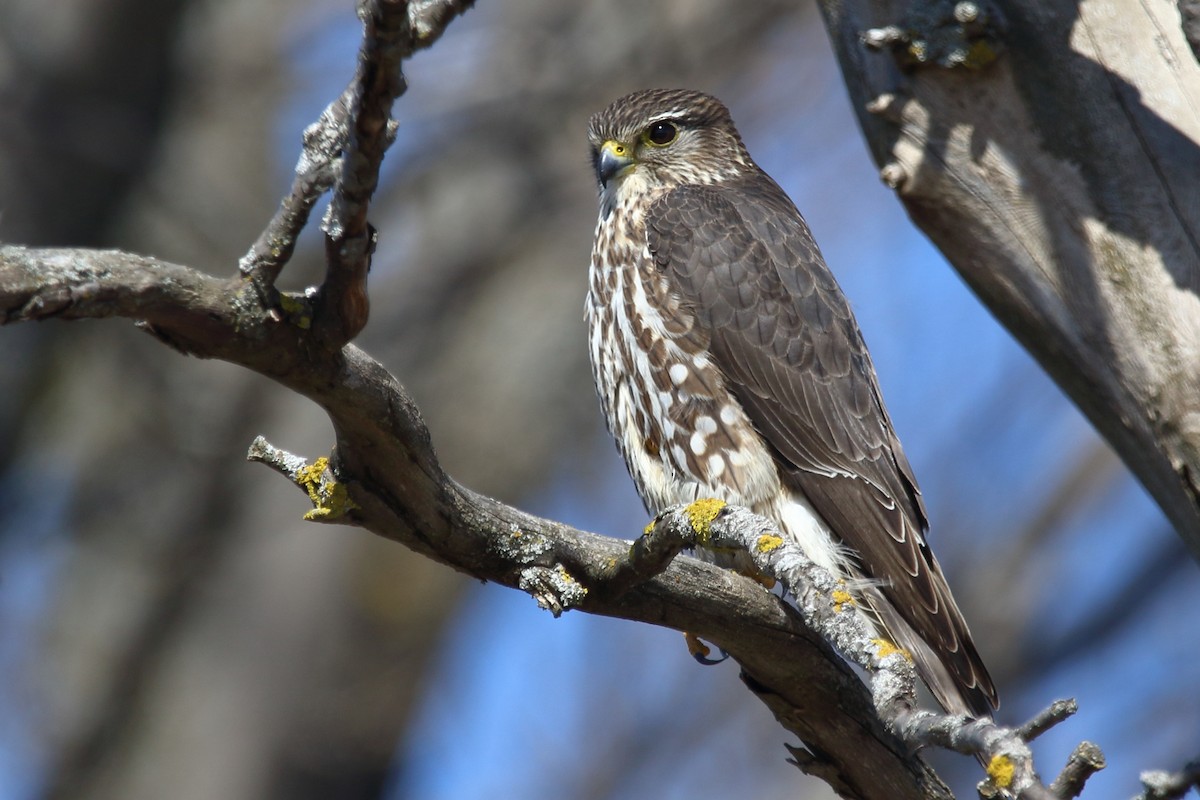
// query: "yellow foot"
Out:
[765,580]
[700,651]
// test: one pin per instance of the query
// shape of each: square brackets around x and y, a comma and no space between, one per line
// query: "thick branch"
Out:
[397,489]
[1013,134]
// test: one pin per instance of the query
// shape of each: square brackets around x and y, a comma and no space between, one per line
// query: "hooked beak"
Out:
[613,160]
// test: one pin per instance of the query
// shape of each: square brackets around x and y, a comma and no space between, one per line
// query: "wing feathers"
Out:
[744,262]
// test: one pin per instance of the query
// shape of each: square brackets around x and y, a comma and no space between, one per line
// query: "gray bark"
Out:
[1050,150]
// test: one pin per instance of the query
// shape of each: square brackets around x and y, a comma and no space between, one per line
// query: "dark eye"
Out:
[661,133]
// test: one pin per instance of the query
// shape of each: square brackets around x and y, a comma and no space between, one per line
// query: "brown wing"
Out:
[742,257]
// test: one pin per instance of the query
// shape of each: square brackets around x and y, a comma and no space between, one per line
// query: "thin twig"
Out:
[285,463]
[314,175]
[357,129]
[1058,711]
[1161,785]
[392,31]
[1084,762]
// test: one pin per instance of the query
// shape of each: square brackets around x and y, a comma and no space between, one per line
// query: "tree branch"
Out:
[385,477]
[1055,713]
[394,30]
[386,467]
[315,174]
[1085,761]
[1162,785]
[976,115]
[357,127]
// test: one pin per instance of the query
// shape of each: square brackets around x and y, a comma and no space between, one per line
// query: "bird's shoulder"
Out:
[742,257]
[729,218]
[743,261]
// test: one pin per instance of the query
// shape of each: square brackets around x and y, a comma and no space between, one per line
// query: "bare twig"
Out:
[329,498]
[357,128]
[1085,761]
[393,31]
[315,173]
[1057,712]
[285,463]
[1161,785]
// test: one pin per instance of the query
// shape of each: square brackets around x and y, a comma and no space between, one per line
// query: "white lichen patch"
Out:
[554,589]
[520,546]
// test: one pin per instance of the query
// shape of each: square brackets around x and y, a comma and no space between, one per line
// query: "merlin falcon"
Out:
[729,366]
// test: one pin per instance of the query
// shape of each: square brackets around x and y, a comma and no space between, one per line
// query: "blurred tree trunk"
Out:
[204,642]
[193,645]
[1060,179]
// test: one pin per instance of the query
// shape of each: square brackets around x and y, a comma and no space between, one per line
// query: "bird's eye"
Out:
[661,134]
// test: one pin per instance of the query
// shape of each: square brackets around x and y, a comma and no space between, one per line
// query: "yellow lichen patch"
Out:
[697,648]
[841,598]
[1001,770]
[768,542]
[309,476]
[887,648]
[296,309]
[701,515]
[329,498]
[335,503]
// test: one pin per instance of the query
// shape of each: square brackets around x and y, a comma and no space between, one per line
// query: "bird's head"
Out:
[665,138]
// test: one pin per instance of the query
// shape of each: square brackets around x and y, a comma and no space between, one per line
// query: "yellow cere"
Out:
[616,148]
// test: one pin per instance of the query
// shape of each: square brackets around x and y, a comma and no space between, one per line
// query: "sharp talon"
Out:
[708,662]
[700,650]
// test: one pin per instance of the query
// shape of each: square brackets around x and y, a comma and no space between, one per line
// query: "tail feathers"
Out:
[957,679]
